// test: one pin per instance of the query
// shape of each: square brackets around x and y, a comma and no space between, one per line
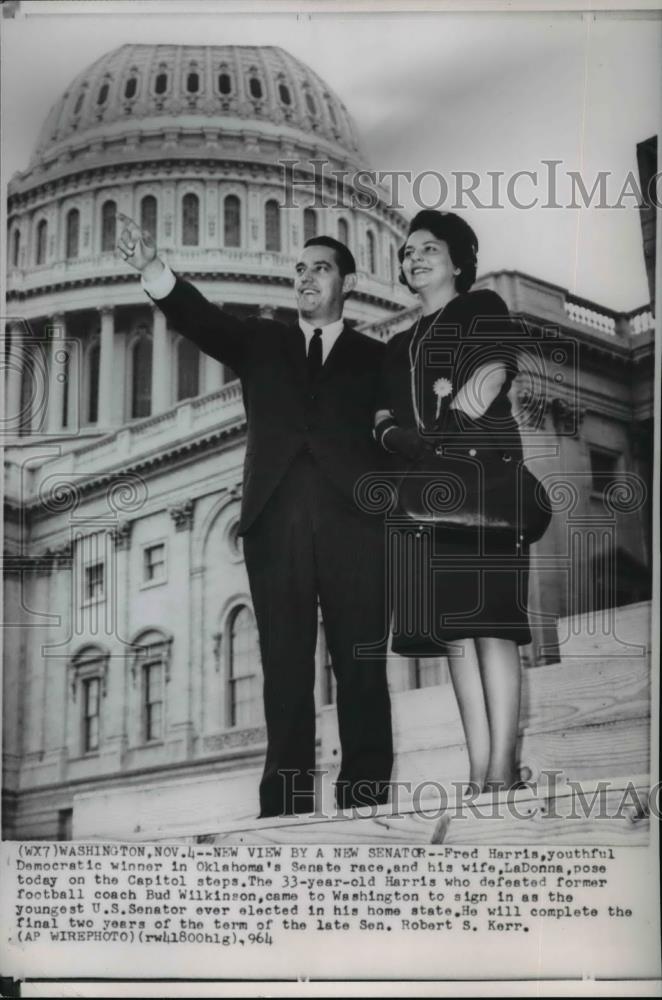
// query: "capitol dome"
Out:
[190,141]
[208,93]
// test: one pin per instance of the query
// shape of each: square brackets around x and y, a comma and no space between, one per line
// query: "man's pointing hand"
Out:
[138,248]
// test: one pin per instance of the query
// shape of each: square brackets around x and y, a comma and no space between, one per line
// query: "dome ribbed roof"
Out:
[195,85]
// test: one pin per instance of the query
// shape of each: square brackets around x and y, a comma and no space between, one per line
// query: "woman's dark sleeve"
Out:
[491,334]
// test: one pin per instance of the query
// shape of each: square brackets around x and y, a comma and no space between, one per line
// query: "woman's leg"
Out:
[500,671]
[468,686]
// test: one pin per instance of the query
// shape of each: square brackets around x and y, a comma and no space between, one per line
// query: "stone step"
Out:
[613,811]
[617,633]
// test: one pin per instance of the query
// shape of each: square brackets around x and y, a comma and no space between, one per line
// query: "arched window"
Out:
[93,362]
[232,221]
[372,260]
[255,88]
[148,214]
[224,83]
[188,369]
[192,83]
[343,231]
[310,103]
[284,94]
[190,220]
[108,223]
[161,83]
[141,377]
[309,224]
[16,247]
[42,236]
[332,114]
[244,701]
[73,225]
[272,225]
[131,87]
[79,102]
[102,96]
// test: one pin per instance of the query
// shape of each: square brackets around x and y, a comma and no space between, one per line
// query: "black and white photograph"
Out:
[330,497]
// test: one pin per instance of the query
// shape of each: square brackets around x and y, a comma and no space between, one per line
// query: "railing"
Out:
[641,321]
[260,263]
[128,442]
[580,311]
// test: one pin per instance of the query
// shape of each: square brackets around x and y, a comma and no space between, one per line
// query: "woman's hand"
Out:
[138,248]
[402,441]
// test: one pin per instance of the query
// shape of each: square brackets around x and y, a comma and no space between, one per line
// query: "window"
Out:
[148,214]
[272,225]
[131,87]
[102,96]
[604,469]
[153,701]
[394,266]
[65,823]
[332,114]
[73,224]
[79,102]
[224,83]
[27,395]
[188,369]
[244,688]
[65,389]
[154,566]
[42,236]
[232,221]
[91,690]
[190,220]
[310,103]
[16,247]
[141,377]
[309,224]
[93,362]
[255,88]
[94,582]
[372,261]
[284,94]
[192,83]
[108,224]
[161,83]
[343,231]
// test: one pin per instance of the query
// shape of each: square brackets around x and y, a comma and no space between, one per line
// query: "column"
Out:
[213,374]
[13,381]
[107,378]
[180,730]
[57,372]
[161,394]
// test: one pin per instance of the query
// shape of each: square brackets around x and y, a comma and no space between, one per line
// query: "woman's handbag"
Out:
[469,488]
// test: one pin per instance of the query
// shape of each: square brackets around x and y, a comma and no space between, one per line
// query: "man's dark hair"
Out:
[459,237]
[344,256]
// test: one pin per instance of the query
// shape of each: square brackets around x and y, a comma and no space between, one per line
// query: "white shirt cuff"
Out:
[159,287]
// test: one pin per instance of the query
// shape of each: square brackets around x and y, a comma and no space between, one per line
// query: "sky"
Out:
[441,92]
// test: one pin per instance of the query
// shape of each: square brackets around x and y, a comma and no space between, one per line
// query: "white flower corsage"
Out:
[442,387]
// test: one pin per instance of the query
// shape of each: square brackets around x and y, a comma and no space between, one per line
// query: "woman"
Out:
[446,381]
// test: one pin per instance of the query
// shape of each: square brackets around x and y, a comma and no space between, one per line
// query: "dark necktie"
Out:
[315,355]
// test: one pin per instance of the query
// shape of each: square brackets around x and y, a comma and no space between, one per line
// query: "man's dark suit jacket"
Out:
[333,418]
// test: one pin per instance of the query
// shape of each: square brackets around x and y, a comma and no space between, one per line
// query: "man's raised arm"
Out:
[215,332]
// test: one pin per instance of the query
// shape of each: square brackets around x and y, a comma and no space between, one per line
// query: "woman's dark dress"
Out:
[464,587]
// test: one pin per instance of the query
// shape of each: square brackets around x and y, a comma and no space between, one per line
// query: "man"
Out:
[309,393]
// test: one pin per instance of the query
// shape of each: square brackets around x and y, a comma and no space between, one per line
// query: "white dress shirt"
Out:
[159,287]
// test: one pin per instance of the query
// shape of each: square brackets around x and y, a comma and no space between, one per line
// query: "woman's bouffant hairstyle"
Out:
[459,237]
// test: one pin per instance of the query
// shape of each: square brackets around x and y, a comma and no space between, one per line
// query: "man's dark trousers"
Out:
[308,541]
